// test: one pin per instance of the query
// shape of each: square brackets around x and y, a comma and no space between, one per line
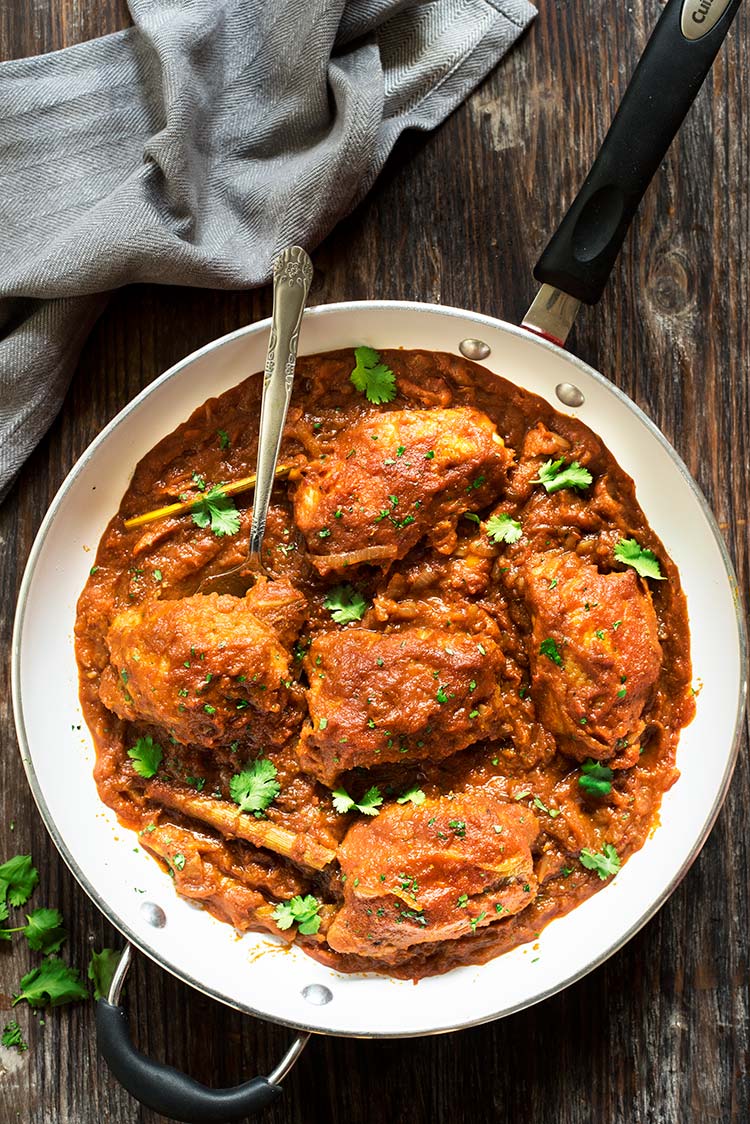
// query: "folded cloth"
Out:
[192,146]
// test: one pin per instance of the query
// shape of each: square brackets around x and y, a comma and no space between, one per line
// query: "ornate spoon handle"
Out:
[292,274]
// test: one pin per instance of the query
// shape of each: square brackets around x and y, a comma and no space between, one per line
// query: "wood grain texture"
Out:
[659,1034]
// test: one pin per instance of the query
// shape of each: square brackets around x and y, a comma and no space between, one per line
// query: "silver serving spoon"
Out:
[292,274]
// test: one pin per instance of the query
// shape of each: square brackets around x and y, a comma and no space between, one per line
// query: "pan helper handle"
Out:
[166,1090]
[677,58]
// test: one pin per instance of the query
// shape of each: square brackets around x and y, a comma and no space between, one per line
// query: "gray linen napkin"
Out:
[189,148]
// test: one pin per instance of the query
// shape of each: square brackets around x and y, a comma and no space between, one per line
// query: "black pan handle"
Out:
[166,1090]
[677,58]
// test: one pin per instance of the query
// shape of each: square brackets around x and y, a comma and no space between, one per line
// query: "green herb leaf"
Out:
[376,381]
[644,562]
[503,528]
[596,779]
[412,795]
[345,604]
[303,911]
[605,862]
[555,475]
[552,812]
[44,931]
[255,788]
[223,438]
[549,649]
[146,756]
[18,877]
[52,983]
[12,1036]
[102,967]
[216,509]
[368,805]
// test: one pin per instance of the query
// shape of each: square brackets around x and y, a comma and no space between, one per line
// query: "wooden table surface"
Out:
[660,1032]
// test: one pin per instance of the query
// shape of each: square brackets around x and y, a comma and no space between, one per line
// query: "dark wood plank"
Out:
[660,1033]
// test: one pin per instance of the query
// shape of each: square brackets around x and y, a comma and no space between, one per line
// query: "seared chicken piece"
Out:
[594,654]
[205,668]
[433,872]
[416,694]
[395,477]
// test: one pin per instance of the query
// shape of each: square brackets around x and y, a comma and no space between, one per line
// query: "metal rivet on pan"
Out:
[317,994]
[568,394]
[474,349]
[153,914]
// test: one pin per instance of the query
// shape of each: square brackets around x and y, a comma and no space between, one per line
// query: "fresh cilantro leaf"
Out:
[44,931]
[303,911]
[555,475]
[255,788]
[102,967]
[605,862]
[503,528]
[146,756]
[441,695]
[644,562]
[52,983]
[368,805]
[223,438]
[549,649]
[373,378]
[216,509]
[596,779]
[412,795]
[12,1036]
[17,880]
[345,604]
[472,515]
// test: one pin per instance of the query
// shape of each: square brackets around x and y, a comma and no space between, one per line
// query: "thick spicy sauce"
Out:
[527,747]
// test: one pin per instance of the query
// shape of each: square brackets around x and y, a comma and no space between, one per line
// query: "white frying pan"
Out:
[254,974]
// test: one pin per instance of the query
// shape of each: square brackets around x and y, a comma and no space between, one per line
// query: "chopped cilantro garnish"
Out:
[555,475]
[52,983]
[102,966]
[605,862]
[216,509]
[595,779]
[549,649]
[553,812]
[441,695]
[503,528]
[472,516]
[12,1037]
[368,805]
[458,827]
[303,911]
[644,562]
[256,787]
[18,877]
[345,604]
[412,795]
[376,381]
[146,756]
[223,438]
[157,575]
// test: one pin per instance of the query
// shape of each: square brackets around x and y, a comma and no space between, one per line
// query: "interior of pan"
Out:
[254,973]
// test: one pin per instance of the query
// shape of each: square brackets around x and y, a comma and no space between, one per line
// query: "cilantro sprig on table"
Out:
[345,604]
[255,787]
[644,562]
[51,984]
[605,862]
[44,930]
[216,510]
[299,910]
[368,805]
[146,756]
[555,475]
[503,528]
[102,967]
[18,877]
[595,778]
[376,381]
[12,1037]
